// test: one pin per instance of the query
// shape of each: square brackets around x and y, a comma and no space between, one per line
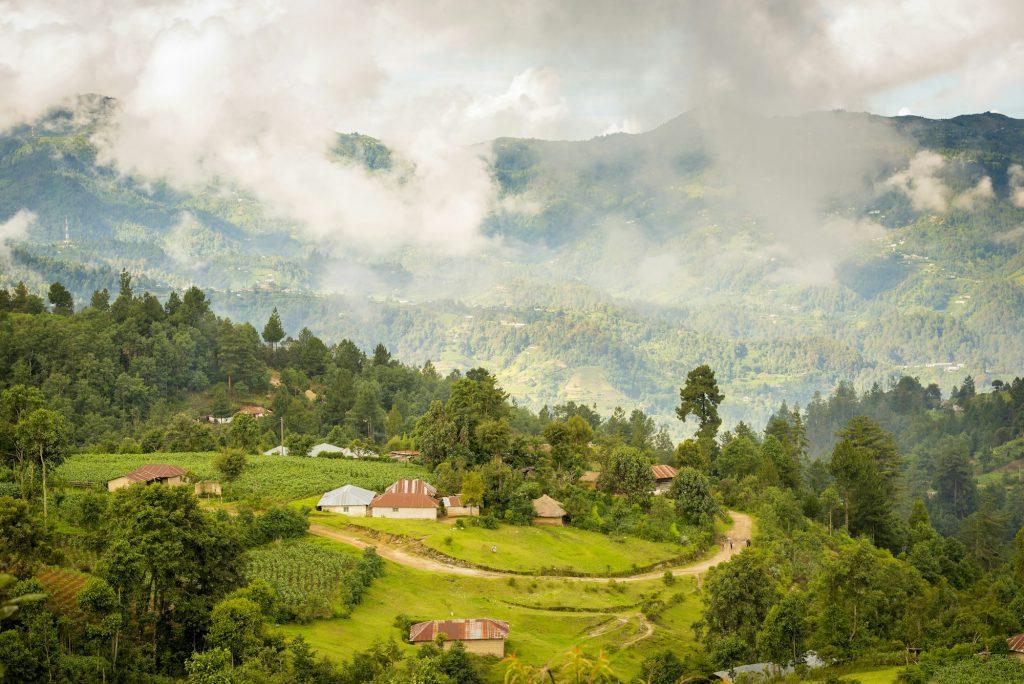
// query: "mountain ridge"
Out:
[618,260]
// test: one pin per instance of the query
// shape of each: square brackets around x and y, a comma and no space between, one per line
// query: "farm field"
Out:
[305,575]
[272,479]
[63,585]
[523,549]
[547,617]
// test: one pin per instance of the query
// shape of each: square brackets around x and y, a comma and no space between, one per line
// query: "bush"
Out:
[278,522]
[231,463]
[129,446]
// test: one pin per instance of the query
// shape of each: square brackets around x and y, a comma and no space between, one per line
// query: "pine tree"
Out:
[273,331]
[700,397]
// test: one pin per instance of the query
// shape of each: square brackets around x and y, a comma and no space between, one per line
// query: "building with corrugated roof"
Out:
[455,508]
[1016,646]
[152,473]
[347,500]
[482,636]
[325,448]
[663,475]
[407,498]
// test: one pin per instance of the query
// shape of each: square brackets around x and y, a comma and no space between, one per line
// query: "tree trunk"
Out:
[42,462]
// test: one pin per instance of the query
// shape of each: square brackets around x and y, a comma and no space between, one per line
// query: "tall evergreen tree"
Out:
[273,331]
[700,397]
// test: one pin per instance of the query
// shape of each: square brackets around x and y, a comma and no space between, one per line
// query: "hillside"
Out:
[616,264]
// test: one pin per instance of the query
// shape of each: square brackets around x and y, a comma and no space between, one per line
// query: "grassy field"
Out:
[546,617]
[885,675]
[268,478]
[522,549]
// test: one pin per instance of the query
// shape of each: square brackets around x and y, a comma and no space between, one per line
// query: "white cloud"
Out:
[1016,182]
[904,111]
[13,229]
[533,98]
[982,192]
[920,182]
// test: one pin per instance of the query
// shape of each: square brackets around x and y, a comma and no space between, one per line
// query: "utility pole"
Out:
[282,436]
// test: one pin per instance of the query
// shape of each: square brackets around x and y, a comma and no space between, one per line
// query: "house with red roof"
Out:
[482,636]
[152,473]
[407,498]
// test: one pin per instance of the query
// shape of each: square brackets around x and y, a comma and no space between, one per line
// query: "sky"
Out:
[250,90]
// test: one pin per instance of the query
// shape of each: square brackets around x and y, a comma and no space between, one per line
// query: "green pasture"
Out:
[547,617]
[537,549]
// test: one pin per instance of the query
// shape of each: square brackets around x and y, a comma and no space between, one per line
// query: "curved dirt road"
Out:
[741,529]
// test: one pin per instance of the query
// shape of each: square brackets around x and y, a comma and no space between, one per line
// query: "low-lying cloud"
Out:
[921,183]
[251,93]
[13,229]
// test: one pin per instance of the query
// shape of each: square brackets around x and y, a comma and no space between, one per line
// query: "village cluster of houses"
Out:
[409,498]
[413,498]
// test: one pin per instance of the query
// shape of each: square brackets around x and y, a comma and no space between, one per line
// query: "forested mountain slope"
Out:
[614,264]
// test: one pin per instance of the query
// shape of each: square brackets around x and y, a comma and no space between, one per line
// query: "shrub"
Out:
[279,522]
[231,463]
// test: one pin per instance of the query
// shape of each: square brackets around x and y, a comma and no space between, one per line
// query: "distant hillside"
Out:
[625,259]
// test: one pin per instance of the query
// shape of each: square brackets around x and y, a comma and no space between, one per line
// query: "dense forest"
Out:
[889,522]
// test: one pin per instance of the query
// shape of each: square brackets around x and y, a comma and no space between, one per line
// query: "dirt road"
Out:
[741,529]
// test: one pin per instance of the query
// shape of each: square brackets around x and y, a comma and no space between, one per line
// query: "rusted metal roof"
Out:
[663,472]
[453,501]
[154,471]
[1016,643]
[412,486]
[466,629]
[407,493]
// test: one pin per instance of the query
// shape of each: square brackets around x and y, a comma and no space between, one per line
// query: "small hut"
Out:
[663,475]
[547,511]
[454,508]
[589,479]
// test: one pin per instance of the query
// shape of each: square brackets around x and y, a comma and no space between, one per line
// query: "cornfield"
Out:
[270,478]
